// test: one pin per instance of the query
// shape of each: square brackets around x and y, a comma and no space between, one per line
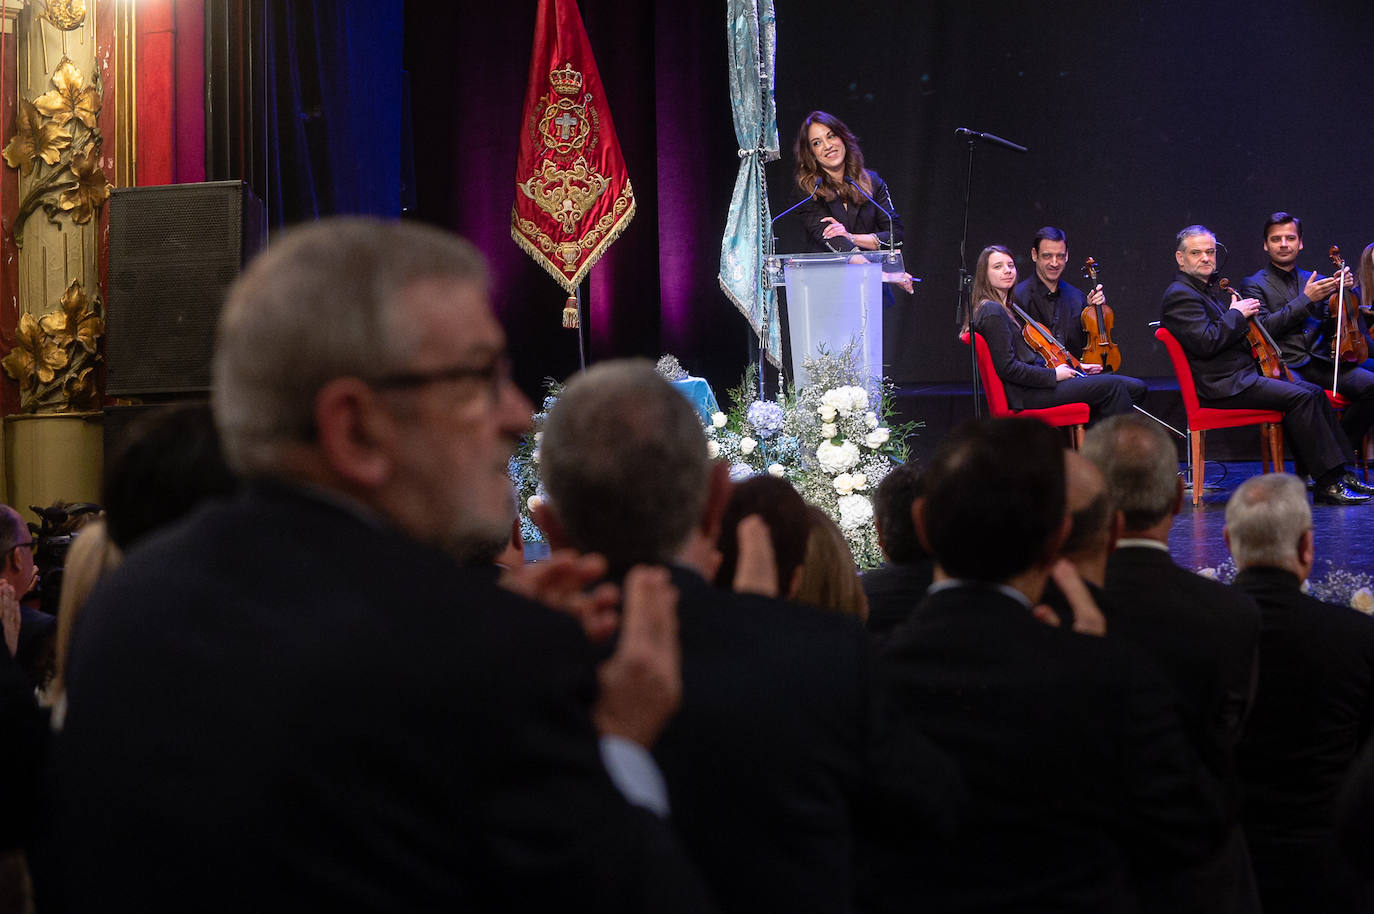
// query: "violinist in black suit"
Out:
[1293,306]
[1212,332]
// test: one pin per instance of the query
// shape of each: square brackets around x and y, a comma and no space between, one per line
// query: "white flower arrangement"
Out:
[833,439]
[1334,585]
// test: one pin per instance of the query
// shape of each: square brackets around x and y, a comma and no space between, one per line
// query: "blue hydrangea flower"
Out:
[766,417]
[549,401]
[740,472]
[788,446]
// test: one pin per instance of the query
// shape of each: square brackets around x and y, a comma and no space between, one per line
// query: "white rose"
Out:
[828,430]
[855,511]
[1208,573]
[538,437]
[777,470]
[860,481]
[876,438]
[534,455]
[858,399]
[871,420]
[747,445]
[1363,600]
[712,450]
[533,502]
[826,412]
[844,484]
[837,458]
[718,420]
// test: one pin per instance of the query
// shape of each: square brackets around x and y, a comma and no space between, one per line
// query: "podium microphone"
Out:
[799,202]
[989,138]
[891,231]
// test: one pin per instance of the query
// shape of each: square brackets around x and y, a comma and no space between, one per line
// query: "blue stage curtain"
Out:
[333,108]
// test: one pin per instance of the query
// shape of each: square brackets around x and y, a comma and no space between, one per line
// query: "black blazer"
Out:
[1203,635]
[1286,319]
[863,219]
[1314,707]
[1075,760]
[779,749]
[1212,333]
[1313,712]
[279,706]
[893,592]
[1016,363]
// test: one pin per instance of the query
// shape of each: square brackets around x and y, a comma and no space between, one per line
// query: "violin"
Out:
[1039,338]
[1350,343]
[1097,326]
[1266,351]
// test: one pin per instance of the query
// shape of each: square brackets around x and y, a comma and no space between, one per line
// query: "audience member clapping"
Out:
[776,745]
[783,512]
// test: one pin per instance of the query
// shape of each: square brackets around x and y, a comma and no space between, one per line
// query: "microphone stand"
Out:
[963,310]
[764,266]
[963,306]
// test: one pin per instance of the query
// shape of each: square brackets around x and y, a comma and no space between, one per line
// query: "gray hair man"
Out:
[1202,634]
[332,710]
[781,690]
[1312,704]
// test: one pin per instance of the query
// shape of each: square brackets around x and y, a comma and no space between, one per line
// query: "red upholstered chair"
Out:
[1202,418]
[1073,416]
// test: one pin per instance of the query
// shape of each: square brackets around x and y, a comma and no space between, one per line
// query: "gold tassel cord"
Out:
[571,320]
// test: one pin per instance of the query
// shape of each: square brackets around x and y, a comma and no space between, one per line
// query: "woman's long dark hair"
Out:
[982,289]
[808,169]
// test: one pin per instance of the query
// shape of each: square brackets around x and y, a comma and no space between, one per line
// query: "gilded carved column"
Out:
[56,148]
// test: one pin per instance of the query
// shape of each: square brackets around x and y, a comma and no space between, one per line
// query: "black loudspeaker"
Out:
[174,252]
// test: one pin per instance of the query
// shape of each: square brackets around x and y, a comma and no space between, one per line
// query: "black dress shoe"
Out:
[1355,484]
[1338,494]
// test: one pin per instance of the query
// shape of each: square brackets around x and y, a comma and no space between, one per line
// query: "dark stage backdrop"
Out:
[1141,118]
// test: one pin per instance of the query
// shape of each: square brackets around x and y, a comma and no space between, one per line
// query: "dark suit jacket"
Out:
[1076,763]
[1212,334]
[1286,319]
[779,747]
[862,219]
[893,592]
[280,706]
[1314,709]
[1204,637]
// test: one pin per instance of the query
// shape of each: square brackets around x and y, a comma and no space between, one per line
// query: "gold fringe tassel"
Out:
[570,318]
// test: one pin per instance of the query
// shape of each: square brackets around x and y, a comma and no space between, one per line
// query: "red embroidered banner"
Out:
[573,195]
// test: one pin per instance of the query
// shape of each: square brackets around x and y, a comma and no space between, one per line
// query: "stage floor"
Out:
[1344,534]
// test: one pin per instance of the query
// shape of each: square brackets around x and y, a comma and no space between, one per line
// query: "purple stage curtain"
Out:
[655,290]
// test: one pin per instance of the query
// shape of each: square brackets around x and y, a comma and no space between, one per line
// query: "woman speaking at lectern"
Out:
[850,207]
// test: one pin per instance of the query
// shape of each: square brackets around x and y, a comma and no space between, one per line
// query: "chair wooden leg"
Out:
[1078,437]
[1276,447]
[1198,466]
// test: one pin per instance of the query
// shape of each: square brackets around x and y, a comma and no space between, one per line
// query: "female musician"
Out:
[1029,383]
[830,170]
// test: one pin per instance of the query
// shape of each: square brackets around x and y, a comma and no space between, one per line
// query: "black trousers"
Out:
[1105,394]
[1309,423]
[1356,384]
